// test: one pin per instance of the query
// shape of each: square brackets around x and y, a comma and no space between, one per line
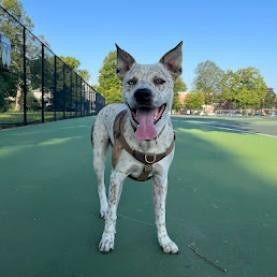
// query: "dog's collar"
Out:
[148,159]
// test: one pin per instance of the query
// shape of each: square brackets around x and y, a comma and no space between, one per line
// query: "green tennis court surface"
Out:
[222,201]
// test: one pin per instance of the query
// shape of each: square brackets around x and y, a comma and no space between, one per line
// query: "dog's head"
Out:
[148,89]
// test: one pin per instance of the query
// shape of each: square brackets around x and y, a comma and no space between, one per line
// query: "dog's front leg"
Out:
[160,192]
[115,188]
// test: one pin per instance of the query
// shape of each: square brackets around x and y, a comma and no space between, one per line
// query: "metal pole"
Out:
[71,92]
[42,83]
[82,98]
[55,87]
[89,100]
[25,89]
[76,96]
[63,91]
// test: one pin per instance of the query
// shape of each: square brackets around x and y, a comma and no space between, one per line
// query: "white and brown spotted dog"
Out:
[141,134]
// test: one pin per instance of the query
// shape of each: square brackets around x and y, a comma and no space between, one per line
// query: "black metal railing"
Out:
[35,84]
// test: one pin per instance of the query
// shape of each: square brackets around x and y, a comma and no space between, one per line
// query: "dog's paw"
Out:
[168,246]
[103,210]
[107,243]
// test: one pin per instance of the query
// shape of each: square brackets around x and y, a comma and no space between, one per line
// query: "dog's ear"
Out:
[124,62]
[172,60]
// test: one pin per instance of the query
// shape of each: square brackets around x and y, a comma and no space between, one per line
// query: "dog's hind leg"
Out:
[100,143]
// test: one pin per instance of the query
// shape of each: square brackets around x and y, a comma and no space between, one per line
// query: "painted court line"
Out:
[239,131]
[243,131]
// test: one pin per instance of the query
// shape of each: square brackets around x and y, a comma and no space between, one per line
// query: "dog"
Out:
[142,138]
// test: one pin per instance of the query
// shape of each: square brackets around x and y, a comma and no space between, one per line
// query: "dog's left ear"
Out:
[124,62]
[172,60]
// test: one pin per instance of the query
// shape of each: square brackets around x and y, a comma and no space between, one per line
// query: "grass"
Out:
[11,119]
[222,199]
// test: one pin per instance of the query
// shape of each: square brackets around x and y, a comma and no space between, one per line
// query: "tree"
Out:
[84,74]
[10,84]
[251,88]
[15,7]
[72,62]
[109,84]
[179,86]
[245,88]
[229,89]
[194,100]
[208,79]
[270,98]
[8,87]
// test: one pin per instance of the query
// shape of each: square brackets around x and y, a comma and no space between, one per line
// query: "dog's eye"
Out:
[132,82]
[158,81]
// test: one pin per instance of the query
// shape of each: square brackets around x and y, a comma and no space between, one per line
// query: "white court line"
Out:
[242,131]
[238,130]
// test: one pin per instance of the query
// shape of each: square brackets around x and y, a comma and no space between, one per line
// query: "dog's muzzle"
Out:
[143,97]
[145,115]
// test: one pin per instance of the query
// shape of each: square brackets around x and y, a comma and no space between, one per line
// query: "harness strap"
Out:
[147,159]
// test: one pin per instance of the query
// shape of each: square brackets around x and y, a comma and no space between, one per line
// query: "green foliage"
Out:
[32,103]
[195,100]
[179,86]
[270,99]
[84,74]
[229,87]
[8,87]
[16,8]
[10,83]
[208,80]
[109,84]
[245,88]
[72,62]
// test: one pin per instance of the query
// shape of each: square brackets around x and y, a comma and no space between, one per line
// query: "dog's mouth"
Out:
[146,119]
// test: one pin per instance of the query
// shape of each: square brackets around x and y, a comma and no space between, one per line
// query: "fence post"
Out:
[63,90]
[71,92]
[55,87]
[24,79]
[89,100]
[42,82]
[81,97]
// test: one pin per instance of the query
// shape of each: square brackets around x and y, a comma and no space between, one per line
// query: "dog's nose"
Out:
[143,96]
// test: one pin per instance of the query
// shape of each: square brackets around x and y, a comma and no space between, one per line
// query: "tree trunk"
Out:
[18,100]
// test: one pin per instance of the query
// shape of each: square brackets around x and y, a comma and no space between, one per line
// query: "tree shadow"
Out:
[236,125]
[226,209]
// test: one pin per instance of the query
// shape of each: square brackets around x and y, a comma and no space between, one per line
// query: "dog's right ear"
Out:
[172,60]
[124,62]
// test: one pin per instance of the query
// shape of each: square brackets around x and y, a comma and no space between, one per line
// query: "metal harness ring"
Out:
[147,160]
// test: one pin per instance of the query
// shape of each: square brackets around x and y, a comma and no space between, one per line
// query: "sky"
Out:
[232,33]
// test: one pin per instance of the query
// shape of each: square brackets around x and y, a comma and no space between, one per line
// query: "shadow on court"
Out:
[49,210]
[262,125]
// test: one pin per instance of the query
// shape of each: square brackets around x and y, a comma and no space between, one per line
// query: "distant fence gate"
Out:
[35,84]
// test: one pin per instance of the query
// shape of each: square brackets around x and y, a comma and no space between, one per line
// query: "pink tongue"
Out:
[146,129]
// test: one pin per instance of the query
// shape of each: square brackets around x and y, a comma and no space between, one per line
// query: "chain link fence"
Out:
[35,84]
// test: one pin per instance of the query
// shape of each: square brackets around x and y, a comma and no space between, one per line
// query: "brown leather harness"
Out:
[146,159]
